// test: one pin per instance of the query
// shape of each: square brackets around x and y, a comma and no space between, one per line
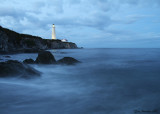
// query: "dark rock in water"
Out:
[7,56]
[45,57]
[29,61]
[14,68]
[68,60]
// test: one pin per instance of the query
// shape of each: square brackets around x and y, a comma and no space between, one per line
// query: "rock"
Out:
[13,68]
[3,41]
[45,57]
[68,60]
[29,61]
[7,56]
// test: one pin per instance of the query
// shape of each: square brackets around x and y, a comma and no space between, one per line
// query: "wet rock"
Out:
[29,61]
[45,57]
[7,56]
[13,68]
[68,61]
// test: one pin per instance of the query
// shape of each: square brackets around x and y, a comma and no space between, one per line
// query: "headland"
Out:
[13,42]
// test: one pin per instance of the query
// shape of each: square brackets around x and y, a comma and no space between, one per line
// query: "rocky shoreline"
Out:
[13,42]
[14,68]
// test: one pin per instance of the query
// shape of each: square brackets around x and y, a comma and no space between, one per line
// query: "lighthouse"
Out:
[53,32]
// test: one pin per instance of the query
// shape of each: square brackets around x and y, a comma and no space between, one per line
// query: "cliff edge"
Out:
[11,41]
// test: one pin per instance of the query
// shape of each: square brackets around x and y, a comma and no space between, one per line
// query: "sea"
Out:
[107,81]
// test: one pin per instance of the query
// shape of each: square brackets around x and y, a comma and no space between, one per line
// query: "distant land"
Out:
[13,42]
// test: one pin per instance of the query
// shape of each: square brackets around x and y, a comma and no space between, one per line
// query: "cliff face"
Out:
[11,41]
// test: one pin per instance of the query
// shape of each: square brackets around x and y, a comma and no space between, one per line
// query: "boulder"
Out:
[68,61]
[29,61]
[13,68]
[7,56]
[45,57]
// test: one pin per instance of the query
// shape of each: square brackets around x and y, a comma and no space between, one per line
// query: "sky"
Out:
[88,23]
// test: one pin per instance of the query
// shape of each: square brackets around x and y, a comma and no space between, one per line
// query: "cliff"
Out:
[11,41]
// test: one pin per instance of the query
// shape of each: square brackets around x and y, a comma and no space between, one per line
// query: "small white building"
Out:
[64,40]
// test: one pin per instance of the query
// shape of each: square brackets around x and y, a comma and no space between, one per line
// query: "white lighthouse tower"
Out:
[53,32]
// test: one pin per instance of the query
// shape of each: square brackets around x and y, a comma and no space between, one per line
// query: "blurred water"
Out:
[108,81]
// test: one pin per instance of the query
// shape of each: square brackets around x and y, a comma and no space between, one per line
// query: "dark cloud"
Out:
[98,18]
[8,11]
[101,16]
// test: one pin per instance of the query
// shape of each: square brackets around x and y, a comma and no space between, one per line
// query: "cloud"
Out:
[140,2]
[9,11]
[102,19]
[39,4]
[57,11]
[130,19]
[70,2]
